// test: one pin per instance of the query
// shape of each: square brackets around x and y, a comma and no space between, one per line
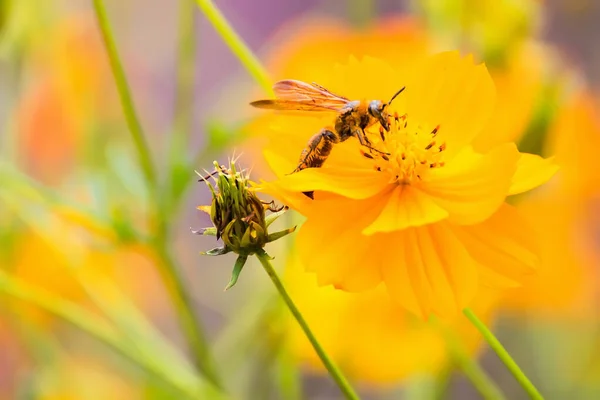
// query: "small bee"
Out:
[354,116]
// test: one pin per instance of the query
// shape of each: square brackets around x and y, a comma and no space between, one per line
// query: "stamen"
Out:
[367,155]
[407,155]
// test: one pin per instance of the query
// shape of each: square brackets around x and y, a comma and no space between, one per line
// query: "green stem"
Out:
[190,325]
[133,123]
[95,327]
[183,118]
[478,377]
[335,373]
[184,95]
[503,355]
[236,44]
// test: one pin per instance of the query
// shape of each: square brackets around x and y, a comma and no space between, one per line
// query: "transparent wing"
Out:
[297,95]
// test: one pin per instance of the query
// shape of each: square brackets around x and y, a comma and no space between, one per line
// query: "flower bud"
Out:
[238,216]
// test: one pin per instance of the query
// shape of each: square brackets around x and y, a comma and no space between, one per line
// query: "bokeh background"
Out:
[88,251]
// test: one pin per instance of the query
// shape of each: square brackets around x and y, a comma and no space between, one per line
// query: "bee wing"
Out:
[302,96]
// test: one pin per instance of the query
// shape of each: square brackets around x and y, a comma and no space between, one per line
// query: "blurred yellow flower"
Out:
[565,218]
[519,85]
[63,257]
[429,219]
[372,339]
[489,27]
[80,377]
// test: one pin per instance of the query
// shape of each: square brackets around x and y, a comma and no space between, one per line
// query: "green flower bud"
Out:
[238,216]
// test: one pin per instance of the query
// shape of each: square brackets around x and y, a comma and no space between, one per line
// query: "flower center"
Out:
[406,152]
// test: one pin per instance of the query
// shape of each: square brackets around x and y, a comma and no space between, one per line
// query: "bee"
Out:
[353,117]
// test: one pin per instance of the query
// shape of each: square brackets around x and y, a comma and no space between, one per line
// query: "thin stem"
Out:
[190,325]
[183,117]
[236,44]
[478,377]
[184,96]
[335,373]
[95,327]
[503,355]
[133,122]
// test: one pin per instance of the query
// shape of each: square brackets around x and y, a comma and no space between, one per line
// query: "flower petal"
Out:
[532,171]
[351,183]
[429,270]
[330,244]
[503,246]
[453,92]
[406,206]
[472,186]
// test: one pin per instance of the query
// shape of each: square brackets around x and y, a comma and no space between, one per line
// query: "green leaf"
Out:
[237,269]
[278,235]
[217,251]
[212,231]
[273,217]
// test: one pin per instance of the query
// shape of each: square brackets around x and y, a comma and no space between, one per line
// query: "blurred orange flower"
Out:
[69,74]
[565,218]
[428,220]
[372,339]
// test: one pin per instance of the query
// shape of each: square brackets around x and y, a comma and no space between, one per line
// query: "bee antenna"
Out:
[396,95]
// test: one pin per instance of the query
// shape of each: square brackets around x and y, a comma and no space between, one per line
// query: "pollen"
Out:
[408,151]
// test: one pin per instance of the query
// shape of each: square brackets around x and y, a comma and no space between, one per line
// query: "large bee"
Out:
[354,116]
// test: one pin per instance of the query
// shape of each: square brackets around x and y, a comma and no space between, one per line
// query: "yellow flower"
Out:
[54,258]
[565,219]
[372,339]
[303,49]
[427,216]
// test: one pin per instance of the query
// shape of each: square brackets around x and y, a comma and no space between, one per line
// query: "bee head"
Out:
[377,110]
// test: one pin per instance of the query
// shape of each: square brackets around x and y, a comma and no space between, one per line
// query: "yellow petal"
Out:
[280,164]
[428,270]
[472,186]
[351,183]
[406,206]
[330,244]
[452,92]
[532,171]
[402,273]
[503,246]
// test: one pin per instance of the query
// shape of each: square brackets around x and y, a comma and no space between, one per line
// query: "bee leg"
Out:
[316,152]
[364,141]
